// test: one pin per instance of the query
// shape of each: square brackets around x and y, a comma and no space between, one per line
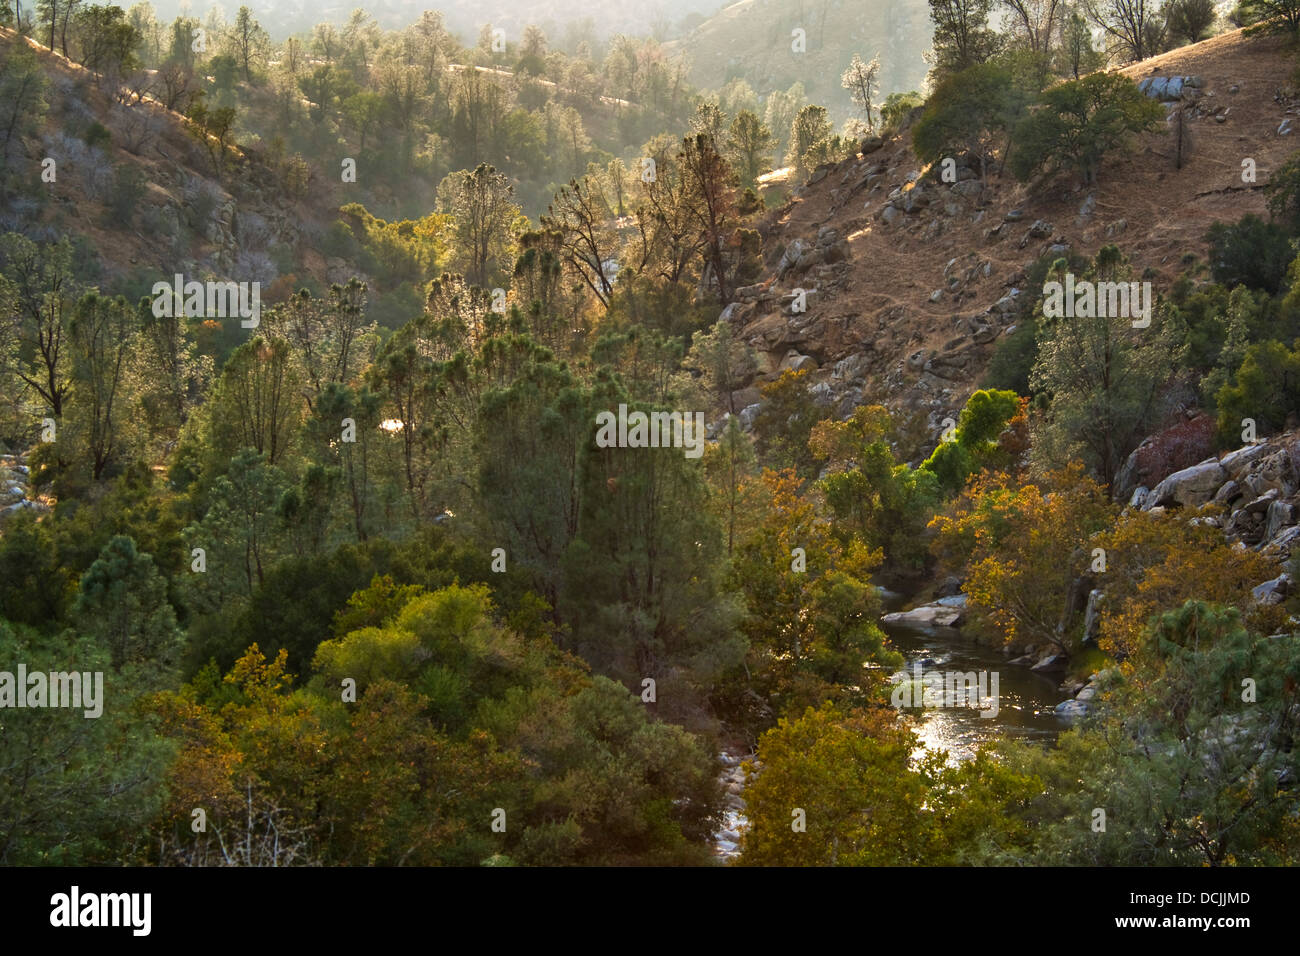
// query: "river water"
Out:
[1025,699]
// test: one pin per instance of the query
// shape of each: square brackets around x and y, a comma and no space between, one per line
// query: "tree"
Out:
[847,779]
[1128,22]
[1191,770]
[1079,122]
[1250,252]
[22,95]
[1104,378]
[749,147]
[970,112]
[479,202]
[712,205]
[1034,21]
[974,442]
[1023,547]
[811,128]
[722,360]
[256,402]
[579,214]
[1283,191]
[214,128]
[247,42]
[962,37]
[1190,20]
[106,39]
[861,79]
[102,334]
[34,334]
[1266,388]
[122,605]
[1077,53]
[1278,16]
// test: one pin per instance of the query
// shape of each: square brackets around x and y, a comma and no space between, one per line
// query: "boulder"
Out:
[748,414]
[1235,462]
[871,144]
[1052,662]
[1191,487]
[1272,592]
[1071,709]
[928,615]
[797,363]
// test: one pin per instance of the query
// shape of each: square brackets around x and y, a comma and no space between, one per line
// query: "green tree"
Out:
[749,147]
[810,129]
[247,42]
[1104,377]
[1266,388]
[962,37]
[1079,122]
[23,89]
[837,790]
[122,605]
[484,214]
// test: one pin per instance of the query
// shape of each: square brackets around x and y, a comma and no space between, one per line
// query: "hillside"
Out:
[911,317]
[752,39]
[142,191]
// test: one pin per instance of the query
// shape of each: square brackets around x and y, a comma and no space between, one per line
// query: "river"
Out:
[1025,699]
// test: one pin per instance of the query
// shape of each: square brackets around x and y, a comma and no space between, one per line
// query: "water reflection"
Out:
[1025,699]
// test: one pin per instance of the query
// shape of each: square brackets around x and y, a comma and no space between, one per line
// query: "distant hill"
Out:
[466,17]
[752,39]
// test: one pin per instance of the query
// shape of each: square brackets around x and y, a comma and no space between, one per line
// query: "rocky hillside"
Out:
[911,284]
[146,195]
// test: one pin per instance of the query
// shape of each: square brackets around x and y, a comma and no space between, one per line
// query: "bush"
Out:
[128,189]
[1250,252]
[1266,389]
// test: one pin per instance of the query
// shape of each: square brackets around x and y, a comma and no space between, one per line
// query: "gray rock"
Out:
[1281,514]
[1014,215]
[1228,493]
[970,189]
[748,414]
[1092,615]
[1040,229]
[1071,709]
[890,214]
[1051,662]
[1235,461]
[1088,206]
[1191,487]
[797,363]
[871,144]
[928,615]
[1272,592]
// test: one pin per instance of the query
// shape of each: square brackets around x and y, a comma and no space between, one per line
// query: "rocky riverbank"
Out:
[726,842]
[15,488]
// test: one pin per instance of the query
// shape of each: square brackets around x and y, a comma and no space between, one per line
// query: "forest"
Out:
[380,566]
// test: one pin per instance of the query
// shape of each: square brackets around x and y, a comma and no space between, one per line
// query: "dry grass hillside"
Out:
[912,310]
